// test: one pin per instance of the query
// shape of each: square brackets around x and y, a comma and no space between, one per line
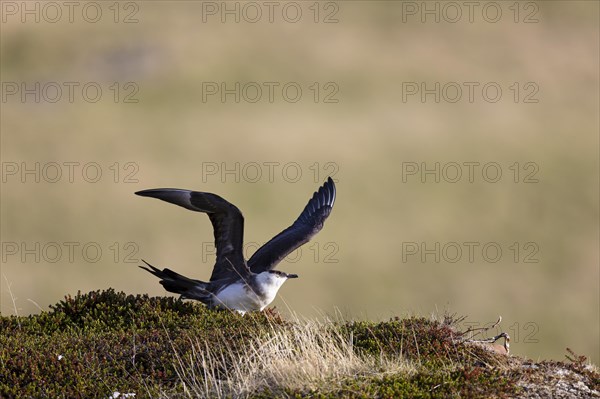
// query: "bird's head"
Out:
[282,274]
[274,277]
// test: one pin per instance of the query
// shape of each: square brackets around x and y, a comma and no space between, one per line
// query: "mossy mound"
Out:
[94,345]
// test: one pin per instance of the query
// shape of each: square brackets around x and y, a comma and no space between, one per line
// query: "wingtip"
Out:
[330,185]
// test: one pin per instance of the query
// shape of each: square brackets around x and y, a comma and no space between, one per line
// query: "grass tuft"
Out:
[301,356]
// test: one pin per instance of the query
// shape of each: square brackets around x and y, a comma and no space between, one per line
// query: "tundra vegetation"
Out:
[106,344]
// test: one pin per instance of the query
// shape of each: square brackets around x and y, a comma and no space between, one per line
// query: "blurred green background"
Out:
[156,125]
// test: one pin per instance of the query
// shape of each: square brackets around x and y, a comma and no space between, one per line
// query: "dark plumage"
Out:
[228,225]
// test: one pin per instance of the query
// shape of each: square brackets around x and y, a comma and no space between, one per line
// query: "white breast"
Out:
[238,297]
[241,297]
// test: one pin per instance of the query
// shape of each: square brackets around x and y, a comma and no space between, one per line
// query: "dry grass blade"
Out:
[304,355]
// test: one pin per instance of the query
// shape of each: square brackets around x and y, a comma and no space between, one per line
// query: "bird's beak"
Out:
[292,276]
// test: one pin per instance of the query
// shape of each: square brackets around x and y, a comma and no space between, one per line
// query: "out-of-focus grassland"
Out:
[171,135]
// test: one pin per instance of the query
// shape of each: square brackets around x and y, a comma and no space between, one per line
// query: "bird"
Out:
[236,283]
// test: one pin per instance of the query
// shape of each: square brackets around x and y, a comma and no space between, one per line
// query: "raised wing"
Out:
[309,223]
[228,226]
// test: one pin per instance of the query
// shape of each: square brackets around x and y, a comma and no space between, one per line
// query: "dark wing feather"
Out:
[227,221]
[309,223]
